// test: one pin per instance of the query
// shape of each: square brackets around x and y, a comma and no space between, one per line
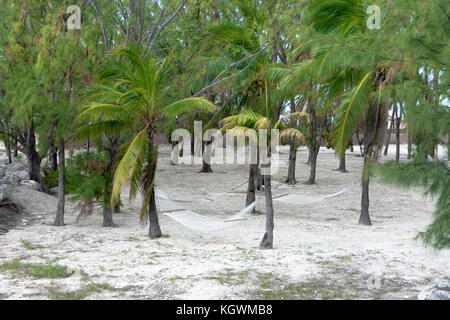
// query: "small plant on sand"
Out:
[37,270]
[82,293]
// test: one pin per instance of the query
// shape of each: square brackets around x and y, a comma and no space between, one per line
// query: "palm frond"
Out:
[291,134]
[97,129]
[133,155]
[104,112]
[349,113]
[189,104]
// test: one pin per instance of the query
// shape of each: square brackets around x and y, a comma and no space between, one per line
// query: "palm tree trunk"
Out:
[267,240]
[107,217]
[59,219]
[342,166]
[206,168]
[309,156]
[251,188]
[113,148]
[364,218]
[154,230]
[292,160]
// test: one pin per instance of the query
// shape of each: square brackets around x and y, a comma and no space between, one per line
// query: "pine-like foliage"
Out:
[435,178]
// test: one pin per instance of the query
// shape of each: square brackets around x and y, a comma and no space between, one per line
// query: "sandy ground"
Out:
[320,250]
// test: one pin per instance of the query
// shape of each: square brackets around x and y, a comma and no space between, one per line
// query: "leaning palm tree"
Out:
[246,120]
[135,94]
[350,69]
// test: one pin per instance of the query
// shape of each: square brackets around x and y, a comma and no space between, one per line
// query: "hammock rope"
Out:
[197,222]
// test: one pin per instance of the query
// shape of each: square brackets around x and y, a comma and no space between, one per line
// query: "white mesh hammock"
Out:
[302,199]
[196,221]
[203,223]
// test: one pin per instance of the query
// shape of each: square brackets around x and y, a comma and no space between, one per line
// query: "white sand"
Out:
[319,246]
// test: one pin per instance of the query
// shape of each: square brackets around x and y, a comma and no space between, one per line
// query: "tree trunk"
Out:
[409,146]
[8,150]
[342,167]
[309,156]
[389,132]
[312,172]
[107,210]
[107,217]
[397,135]
[251,188]
[113,147]
[59,219]
[154,230]
[34,160]
[15,148]
[53,156]
[292,160]
[364,218]
[267,240]
[206,168]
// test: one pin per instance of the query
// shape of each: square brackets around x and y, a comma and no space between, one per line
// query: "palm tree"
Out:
[135,94]
[345,59]
[241,123]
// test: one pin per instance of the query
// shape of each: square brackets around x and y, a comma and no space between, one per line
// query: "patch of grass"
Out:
[37,270]
[26,244]
[270,287]
[230,277]
[84,292]
[288,292]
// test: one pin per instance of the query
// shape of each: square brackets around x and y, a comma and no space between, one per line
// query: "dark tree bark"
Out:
[342,166]
[409,146]
[292,151]
[15,147]
[397,135]
[292,160]
[59,219]
[364,218]
[113,148]
[251,188]
[8,150]
[206,168]
[107,217]
[374,131]
[34,160]
[53,155]
[267,240]
[316,141]
[309,156]
[154,230]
